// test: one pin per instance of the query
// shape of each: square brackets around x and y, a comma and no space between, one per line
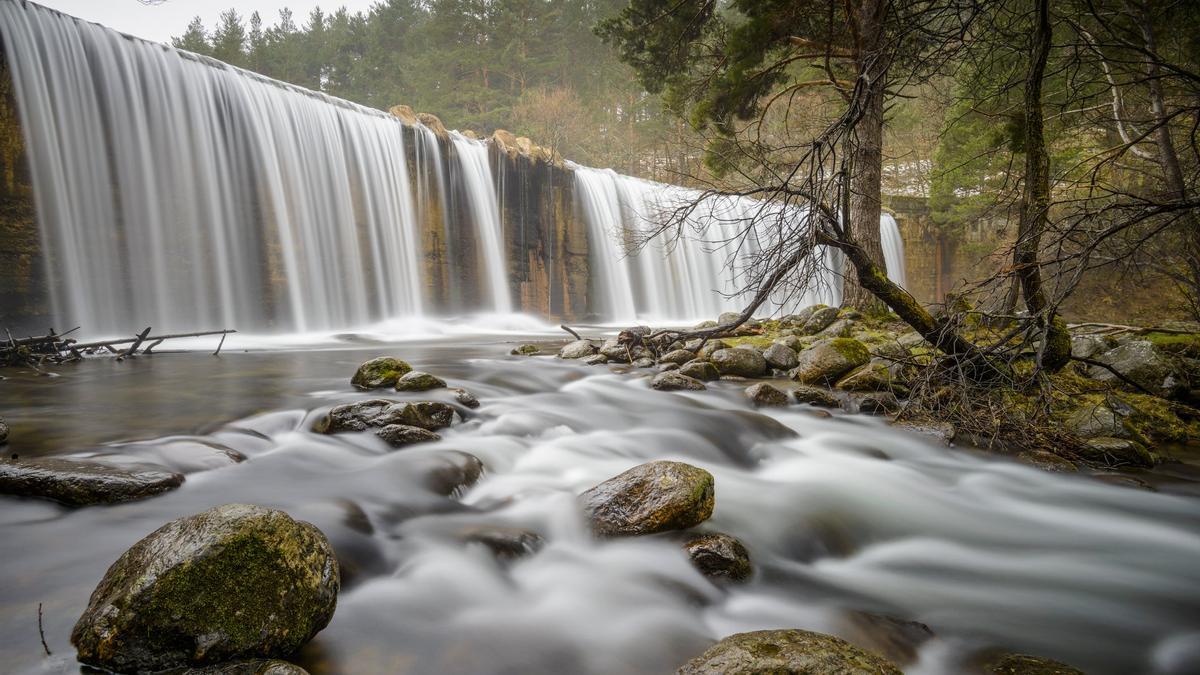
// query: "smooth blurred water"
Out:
[839,514]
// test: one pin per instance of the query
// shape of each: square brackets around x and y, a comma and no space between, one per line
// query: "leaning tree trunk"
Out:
[867,157]
[1035,205]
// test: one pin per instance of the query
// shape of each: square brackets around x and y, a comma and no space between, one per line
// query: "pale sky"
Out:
[163,21]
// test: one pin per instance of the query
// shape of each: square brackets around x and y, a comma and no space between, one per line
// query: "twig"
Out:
[219,345]
[42,632]
[571,332]
[1119,376]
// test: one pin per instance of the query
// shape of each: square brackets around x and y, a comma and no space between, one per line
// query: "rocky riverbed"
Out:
[568,518]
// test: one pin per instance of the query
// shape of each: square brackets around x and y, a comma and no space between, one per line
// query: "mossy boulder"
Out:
[839,328]
[677,356]
[649,498]
[764,395]
[1141,362]
[1090,421]
[379,373]
[400,435]
[800,318]
[740,361]
[577,350]
[794,652]
[876,375]
[719,556]
[704,371]
[817,396]
[82,483]
[820,320]
[525,350]
[828,360]
[378,413]
[236,581]
[780,356]
[675,381]
[419,381]
[1023,664]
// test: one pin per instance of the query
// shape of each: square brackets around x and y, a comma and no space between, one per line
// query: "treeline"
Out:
[533,67]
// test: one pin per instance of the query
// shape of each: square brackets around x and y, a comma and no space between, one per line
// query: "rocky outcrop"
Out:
[649,498]
[82,483]
[379,373]
[787,651]
[235,581]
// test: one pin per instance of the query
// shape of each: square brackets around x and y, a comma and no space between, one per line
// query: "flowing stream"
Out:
[841,515]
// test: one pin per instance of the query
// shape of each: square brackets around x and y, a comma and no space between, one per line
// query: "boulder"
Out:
[912,340]
[526,350]
[1139,361]
[800,318]
[377,413]
[1116,452]
[1023,664]
[875,375]
[615,351]
[434,124]
[249,667]
[82,483]
[594,360]
[780,356]
[503,542]
[727,318]
[416,380]
[700,370]
[719,556]
[704,325]
[678,356]
[235,581]
[741,362]
[379,373]
[763,394]
[676,381]
[839,328]
[667,367]
[820,320]
[710,348]
[878,403]
[400,435]
[465,398]
[792,342]
[649,498]
[577,350]
[1088,346]
[1090,421]
[693,345]
[897,640]
[817,396]
[798,652]
[644,362]
[828,360]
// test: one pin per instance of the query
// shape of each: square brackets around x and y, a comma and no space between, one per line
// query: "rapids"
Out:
[839,514]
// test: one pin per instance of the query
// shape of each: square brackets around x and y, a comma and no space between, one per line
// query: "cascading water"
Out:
[481,196]
[893,248]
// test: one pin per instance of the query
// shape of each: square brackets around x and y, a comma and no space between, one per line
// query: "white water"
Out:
[481,196]
[893,248]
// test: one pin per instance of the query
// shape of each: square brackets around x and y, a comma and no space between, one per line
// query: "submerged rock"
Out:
[379,373]
[649,498]
[458,471]
[465,398]
[675,381]
[677,356]
[828,360]
[719,556]
[250,667]
[1023,664]
[895,639]
[798,652]
[525,350]
[82,483]
[815,396]
[742,362]
[763,394]
[232,582]
[400,435]
[780,356]
[577,350]
[700,370]
[377,413]
[418,381]
[504,542]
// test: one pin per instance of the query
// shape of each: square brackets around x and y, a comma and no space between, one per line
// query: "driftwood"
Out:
[55,347]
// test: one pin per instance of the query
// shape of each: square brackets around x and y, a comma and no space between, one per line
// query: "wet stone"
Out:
[700,370]
[377,413]
[780,356]
[419,381]
[742,362]
[82,483]
[678,357]
[1046,461]
[815,396]
[1024,664]
[457,471]
[400,435]
[465,398]
[649,498]
[675,381]
[379,373]
[249,667]
[577,350]
[719,556]
[644,362]
[763,394]
[787,651]
[3,431]
[594,360]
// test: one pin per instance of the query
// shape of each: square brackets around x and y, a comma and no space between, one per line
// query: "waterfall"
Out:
[893,248]
[485,209]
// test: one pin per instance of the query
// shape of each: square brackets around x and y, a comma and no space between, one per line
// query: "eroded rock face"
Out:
[700,370]
[419,381]
[236,581]
[378,413]
[780,356]
[649,498]
[379,373]
[577,350]
[798,652]
[82,483]
[741,362]
[719,556]
[828,360]
[763,394]
[675,381]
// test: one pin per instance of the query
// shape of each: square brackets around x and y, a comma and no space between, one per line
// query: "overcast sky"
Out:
[161,22]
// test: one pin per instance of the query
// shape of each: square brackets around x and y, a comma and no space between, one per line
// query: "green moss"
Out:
[852,350]
[1182,344]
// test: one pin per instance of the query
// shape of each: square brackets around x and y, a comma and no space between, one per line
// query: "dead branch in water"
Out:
[53,347]
[42,632]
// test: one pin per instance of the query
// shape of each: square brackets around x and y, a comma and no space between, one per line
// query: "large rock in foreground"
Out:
[236,581]
[378,413]
[791,652]
[652,497]
[1023,664]
[826,361]
[81,483]
[379,373]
